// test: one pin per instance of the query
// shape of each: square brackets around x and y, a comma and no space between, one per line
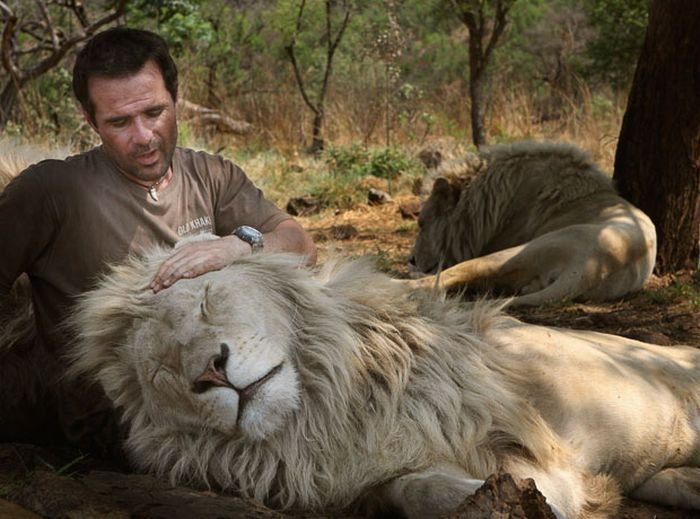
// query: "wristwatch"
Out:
[251,236]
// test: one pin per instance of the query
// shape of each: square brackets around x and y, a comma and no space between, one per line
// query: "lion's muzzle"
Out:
[214,375]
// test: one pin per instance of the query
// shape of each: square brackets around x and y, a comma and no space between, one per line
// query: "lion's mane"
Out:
[527,183]
[391,381]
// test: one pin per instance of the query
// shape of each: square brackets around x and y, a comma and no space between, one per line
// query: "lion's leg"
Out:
[434,492]
[479,273]
[672,487]
[429,493]
[569,491]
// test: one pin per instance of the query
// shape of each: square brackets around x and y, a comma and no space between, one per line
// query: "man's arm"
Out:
[200,257]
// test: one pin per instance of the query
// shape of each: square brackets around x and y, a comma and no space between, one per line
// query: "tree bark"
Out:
[318,108]
[51,45]
[477,80]
[8,102]
[657,164]
[317,140]
[484,35]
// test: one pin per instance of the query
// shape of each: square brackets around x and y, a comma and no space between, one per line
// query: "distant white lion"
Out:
[535,220]
[316,391]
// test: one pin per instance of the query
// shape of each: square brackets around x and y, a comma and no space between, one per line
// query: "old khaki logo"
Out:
[202,223]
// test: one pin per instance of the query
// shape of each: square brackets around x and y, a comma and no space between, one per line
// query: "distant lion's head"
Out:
[434,243]
[429,251]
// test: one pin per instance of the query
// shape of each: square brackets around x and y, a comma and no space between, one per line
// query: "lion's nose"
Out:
[222,358]
[214,375]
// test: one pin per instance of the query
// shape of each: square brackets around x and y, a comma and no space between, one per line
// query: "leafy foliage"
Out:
[400,73]
[621,25]
[356,162]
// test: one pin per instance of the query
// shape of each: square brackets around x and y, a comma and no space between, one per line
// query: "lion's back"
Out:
[527,189]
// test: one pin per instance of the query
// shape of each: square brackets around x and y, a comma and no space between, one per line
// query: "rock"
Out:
[52,495]
[442,148]
[647,335]
[370,181]
[377,197]
[410,209]
[500,497]
[303,205]
[11,510]
[148,497]
[343,232]
[112,495]
[431,158]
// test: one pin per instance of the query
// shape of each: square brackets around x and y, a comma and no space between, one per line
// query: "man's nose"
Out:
[142,131]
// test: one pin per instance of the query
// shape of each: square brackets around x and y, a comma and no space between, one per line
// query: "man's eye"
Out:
[155,112]
[119,123]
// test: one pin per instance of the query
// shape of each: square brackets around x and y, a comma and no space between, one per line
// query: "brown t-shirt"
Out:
[64,222]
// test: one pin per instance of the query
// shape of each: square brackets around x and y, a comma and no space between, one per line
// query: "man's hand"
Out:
[200,257]
[197,258]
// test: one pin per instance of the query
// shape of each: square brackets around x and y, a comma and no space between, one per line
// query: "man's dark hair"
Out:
[119,52]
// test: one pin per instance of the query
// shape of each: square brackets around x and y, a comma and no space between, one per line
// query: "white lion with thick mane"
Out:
[314,391]
[537,220]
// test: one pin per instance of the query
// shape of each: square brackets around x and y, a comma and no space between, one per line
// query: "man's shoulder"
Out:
[198,156]
[71,165]
[204,164]
[58,175]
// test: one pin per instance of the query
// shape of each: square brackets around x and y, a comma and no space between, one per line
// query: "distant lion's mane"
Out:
[487,183]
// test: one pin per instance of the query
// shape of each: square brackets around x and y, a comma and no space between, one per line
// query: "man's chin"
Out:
[150,172]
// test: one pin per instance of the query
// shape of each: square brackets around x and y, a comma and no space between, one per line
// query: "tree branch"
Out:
[502,8]
[332,46]
[6,44]
[295,66]
[48,24]
[68,43]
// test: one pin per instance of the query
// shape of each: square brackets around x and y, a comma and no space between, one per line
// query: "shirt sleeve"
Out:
[240,202]
[27,222]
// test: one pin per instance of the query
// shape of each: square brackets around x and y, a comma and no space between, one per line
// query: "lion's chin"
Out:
[272,407]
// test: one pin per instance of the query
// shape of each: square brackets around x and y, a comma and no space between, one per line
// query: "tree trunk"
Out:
[657,165]
[476,94]
[8,102]
[317,142]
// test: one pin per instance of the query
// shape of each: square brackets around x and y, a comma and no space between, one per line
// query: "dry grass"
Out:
[589,119]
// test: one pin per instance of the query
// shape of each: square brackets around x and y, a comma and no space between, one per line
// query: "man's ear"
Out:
[89,120]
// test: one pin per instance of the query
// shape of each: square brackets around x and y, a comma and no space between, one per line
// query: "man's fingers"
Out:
[190,261]
[168,267]
[186,267]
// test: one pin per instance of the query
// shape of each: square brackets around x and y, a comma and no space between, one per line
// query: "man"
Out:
[65,222]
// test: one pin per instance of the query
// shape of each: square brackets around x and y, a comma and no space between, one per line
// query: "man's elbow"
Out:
[294,238]
[310,251]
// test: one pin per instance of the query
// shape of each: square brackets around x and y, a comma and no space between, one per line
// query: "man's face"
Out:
[135,118]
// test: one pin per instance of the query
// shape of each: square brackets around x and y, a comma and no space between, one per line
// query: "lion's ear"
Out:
[443,191]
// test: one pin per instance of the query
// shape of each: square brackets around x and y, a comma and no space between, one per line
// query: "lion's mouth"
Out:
[214,375]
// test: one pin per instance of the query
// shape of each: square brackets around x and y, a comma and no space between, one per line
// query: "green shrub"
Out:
[357,162]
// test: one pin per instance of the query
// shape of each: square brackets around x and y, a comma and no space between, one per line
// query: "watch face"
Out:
[250,235]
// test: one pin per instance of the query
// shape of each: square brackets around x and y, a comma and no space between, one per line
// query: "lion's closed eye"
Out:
[205,306]
[163,374]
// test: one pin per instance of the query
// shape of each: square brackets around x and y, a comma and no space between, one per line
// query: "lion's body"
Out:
[315,391]
[535,220]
